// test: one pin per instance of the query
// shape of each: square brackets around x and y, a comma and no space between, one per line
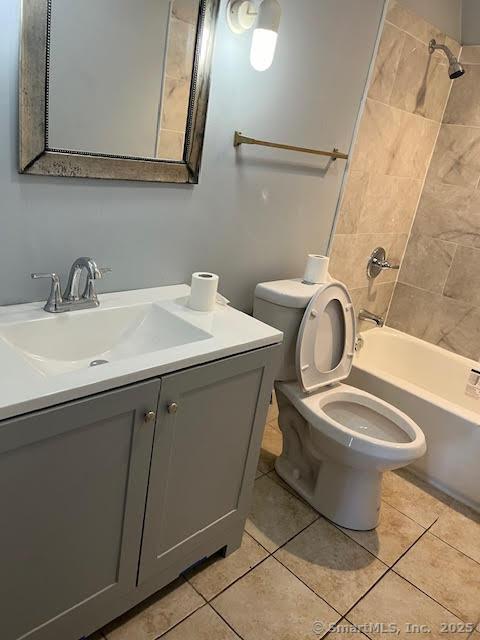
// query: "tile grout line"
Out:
[389,570]
[448,273]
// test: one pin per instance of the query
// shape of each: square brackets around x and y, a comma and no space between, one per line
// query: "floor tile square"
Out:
[411,496]
[332,564]
[395,601]
[395,533]
[461,529]
[217,573]
[345,630]
[276,515]
[445,574]
[157,614]
[204,624]
[270,603]
[272,444]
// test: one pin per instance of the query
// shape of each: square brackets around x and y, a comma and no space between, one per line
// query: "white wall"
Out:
[445,14]
[471,22]
[252,217]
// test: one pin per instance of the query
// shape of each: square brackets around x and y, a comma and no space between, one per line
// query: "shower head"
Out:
[455,69]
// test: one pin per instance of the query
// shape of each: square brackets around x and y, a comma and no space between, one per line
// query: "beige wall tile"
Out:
[217,573]
[422,84]
[176,95]
[156,614]
[352,202]
[463,281]
[464,102]
[186,10]
[393,536]
[445,574]
[427,262]
[389,204]
[170,145]
[411,23]
[332,564]
[454,46]
[393,142]
[204,624]
[375,298]
[470,54]
[270,603]
[276,515]
[393,600]
[350,254]
[449,212]
[181,45]
[447,323]
[386,63]
[456,159]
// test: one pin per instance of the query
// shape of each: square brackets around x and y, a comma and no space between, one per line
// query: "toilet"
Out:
[337,440]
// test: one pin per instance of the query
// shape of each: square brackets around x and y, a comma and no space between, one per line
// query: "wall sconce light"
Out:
[242,15]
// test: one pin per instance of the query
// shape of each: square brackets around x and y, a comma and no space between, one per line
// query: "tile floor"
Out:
[297,575]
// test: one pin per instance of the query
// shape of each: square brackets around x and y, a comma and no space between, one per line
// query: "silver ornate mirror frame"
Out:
[34,155]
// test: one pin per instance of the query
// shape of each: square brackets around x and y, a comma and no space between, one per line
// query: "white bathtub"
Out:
[428,383]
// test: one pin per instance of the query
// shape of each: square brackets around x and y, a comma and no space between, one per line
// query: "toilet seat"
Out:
[326,339]
[314,407]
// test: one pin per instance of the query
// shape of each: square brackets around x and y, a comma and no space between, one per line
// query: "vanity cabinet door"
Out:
[73,483]
[205,453]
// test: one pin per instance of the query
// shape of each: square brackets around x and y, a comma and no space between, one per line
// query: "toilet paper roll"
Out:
[316,270]
[203,292]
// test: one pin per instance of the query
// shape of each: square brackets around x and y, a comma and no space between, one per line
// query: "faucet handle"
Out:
[52,276]
[101,271]
[55,297]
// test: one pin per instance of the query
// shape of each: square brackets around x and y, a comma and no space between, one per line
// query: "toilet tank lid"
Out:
[294,294]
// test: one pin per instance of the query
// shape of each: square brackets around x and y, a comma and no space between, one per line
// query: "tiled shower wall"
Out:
[177,78]
[437,297]
[397,135]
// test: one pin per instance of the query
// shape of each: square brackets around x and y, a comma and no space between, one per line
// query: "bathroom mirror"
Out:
[115,89]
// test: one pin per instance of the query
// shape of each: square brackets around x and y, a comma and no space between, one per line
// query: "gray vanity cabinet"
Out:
[209,427]
[73,481]
[105,500]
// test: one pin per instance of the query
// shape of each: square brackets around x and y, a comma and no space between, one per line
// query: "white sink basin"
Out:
[57,344]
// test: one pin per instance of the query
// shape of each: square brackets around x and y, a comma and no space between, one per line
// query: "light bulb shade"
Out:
[264,43]
[265,36]
[269,15]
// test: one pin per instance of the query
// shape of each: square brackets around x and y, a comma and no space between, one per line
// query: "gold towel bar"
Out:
[241,139]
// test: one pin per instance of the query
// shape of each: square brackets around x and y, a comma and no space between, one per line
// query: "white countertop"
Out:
[24,388]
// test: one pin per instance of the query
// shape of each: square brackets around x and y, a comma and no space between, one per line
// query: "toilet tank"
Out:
[281,304]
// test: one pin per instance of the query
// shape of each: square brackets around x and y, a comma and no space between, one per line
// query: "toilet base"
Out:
[348,497]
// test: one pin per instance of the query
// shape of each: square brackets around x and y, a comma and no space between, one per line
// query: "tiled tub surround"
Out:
[295,569]
[177,76]
[398,130]
[437,297]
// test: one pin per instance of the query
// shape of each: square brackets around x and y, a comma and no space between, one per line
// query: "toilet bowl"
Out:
[338,440]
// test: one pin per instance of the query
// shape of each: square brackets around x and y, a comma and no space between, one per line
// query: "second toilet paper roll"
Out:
[316,270]
[203,292]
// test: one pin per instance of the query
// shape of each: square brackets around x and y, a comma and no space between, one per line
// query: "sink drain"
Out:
[96,363]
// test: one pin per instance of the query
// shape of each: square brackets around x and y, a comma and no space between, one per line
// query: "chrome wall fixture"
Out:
[455,69]
[378,262]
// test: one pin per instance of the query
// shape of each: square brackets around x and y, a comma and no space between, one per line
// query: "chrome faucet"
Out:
[71,298]
[378,262]
[364,314]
